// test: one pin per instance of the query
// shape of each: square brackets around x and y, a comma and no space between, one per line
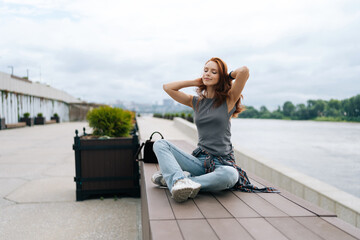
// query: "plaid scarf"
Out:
[243,184]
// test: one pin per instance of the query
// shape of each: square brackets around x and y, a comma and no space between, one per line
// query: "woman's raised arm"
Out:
[241,75]
[173,90]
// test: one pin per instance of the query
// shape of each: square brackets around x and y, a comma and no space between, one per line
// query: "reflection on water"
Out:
[328,151]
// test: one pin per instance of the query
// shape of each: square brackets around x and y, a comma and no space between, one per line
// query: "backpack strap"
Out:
[154,133]
[138,151]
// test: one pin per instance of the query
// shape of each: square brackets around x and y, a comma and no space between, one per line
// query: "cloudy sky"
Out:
[103,51]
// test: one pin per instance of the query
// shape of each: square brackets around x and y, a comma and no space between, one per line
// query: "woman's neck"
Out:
[210,92]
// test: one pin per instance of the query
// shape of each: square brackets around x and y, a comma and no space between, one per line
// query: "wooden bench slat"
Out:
[234,205]
[297,200]
[261,206]
[260,229]
[292,229]
[210,207]
[229,229]
[323,228]
[158,204]
[285,205]
[196,229]
[165,230]
[185,210]
[279,201]
[256,183]
[347,227]
[144,205]
[321,212]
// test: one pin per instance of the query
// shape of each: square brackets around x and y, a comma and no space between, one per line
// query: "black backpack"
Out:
[149,155]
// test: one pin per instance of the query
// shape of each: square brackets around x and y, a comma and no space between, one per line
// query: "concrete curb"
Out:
[186,127]
[344,205]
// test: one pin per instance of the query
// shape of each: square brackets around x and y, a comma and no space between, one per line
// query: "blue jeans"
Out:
[173,161]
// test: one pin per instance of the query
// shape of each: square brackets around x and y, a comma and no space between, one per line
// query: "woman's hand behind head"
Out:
[198,82]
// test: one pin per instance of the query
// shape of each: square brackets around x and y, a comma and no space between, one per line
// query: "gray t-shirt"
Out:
[213,126]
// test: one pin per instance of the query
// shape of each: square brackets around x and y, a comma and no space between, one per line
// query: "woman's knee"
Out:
[231,176]
[158,144]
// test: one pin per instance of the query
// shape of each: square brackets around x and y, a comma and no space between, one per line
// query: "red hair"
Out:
[222,88]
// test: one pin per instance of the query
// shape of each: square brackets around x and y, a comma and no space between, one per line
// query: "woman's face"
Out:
[211,74]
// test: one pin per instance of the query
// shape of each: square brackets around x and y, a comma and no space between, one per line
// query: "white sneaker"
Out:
[158,179]
[185,188]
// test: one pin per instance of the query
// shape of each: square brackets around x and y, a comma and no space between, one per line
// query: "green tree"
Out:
[335,104]
[316,108]
[277,114]
[250,112]
[264,112]
[301,112]
[353,106]
[333,108]
[288,109]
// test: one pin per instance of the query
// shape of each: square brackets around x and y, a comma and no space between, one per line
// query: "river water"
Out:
[328,151]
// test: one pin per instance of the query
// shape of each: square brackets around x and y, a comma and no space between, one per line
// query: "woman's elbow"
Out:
[165,87]
[245,69]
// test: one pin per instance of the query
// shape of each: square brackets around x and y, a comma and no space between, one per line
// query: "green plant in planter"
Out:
[26,115]
[39,115]
[112,122]
[56,115]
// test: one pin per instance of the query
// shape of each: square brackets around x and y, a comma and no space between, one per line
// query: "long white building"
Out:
[19,96]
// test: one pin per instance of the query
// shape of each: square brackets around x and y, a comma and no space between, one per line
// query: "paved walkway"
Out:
[148,125]
[37,191]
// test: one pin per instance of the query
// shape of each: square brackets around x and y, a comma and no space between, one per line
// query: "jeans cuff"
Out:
[175,180]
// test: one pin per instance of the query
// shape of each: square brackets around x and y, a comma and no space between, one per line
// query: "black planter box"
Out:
[190,119]
[56,118]
[39,121]
[106,166]
[29,121]
[2,123]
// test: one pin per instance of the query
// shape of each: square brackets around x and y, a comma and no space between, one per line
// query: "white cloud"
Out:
[97,49]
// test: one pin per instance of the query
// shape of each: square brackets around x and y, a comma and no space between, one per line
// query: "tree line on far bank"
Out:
[322,110]
[185,115]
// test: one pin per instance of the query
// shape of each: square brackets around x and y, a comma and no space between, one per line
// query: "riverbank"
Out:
[318,119]
[189,116]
